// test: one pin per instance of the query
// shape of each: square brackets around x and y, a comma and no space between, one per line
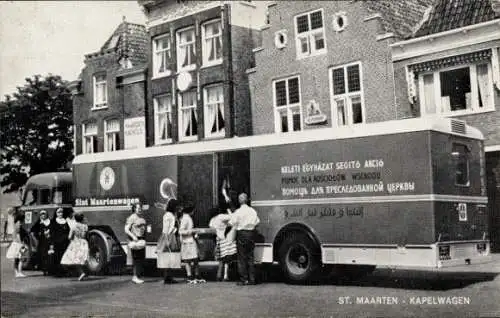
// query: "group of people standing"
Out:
[235,239]
[59,242]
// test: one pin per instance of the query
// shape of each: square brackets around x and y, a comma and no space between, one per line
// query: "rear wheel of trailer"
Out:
[300,257]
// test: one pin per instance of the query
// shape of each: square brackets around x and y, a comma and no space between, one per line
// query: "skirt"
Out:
[189,251]
[77,252]
[16,250]
[228,250]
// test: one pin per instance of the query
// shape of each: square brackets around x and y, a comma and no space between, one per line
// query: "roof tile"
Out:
[452,14]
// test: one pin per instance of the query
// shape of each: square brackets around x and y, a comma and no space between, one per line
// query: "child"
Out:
[225,248]
[17,248]
[77,252]
[189,249]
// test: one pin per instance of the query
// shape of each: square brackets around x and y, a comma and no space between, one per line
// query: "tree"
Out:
[36,130]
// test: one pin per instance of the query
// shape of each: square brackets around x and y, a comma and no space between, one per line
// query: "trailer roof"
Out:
[439,124]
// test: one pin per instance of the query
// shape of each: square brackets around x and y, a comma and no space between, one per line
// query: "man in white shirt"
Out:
[245,220]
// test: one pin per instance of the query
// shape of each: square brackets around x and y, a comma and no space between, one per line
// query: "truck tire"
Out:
[299,258]
[98,255]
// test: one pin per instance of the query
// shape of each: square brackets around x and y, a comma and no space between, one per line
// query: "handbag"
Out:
[137,245]
[168,260]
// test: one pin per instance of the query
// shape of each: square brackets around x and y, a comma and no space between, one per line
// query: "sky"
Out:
[42,37]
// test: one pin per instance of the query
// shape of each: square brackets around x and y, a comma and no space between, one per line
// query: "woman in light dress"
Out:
[17,248]
[189,247]
[77,252]
[165,243]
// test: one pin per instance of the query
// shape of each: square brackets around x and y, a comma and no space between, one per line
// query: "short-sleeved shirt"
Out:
[186,224]
[168,222]
[245,218]
[137,225]
[219,224]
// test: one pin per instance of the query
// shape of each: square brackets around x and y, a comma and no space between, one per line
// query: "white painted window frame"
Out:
[157,52]
[347,96]
[288,107]
[490,106]
[102,104]
[205,39]
[310,36]
[115,133]
[207,125]
[158,114]
[180,46]
[91,136]
[180,113]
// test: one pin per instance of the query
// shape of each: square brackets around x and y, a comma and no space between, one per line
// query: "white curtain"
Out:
[429,99]
[182,51]
[482,84]
[341,115]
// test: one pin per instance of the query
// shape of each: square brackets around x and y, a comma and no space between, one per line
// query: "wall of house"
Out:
[124,101]
[358,42]
[487,122]
[237,57]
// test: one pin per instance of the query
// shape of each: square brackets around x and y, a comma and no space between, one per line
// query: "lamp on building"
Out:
[184,81]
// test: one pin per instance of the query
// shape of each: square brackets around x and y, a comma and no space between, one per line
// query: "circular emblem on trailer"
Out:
[107,178]
[168,189]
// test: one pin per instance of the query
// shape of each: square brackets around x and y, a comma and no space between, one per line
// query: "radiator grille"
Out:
[458,126]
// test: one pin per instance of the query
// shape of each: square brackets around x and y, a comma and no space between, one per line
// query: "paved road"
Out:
[400,294]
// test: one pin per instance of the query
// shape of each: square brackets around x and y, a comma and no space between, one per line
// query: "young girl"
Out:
[225,248]
[135,227]
[17,249]
[77,252]
[189,249]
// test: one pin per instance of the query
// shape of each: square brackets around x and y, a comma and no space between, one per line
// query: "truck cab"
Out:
[45,191]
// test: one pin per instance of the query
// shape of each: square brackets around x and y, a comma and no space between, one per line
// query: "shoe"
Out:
[20,275]
[82,276]
[200,281]
[137,280]
[226,280]
[242,283]
[192,281]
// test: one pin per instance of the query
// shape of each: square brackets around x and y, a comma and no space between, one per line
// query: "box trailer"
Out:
[398,193]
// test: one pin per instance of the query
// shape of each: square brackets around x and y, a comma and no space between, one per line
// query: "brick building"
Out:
[200,51]
[450,67]
[328,63]
[109,104]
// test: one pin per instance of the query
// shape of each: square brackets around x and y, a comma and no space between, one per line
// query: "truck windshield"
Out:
[460,157]
[62,195]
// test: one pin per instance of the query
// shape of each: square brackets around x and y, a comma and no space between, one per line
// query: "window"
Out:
[310,34]
[288,113]
[163,119]
[89,138]
[100,91]
[45,197]
[186,54]
[161,56]
[214,111]
[458,90]
[30,197]
[460,158]
[188,117]
[62,195]
[347,94]
[112,135]
[212,43]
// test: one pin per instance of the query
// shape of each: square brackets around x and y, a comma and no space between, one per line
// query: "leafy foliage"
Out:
[36,130]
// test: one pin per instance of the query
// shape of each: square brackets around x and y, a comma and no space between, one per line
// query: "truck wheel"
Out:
[299,258]
[98,255]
